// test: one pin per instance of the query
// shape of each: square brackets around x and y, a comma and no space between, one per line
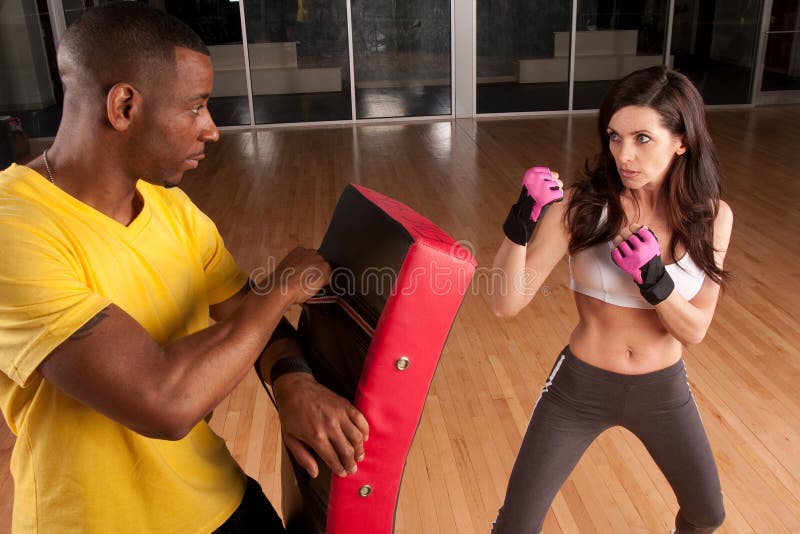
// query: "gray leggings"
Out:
[578,402]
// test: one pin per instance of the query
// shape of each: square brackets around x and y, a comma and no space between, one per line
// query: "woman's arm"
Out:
[688,321]
[519,271]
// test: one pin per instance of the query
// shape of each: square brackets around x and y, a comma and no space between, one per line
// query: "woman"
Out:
[640,298]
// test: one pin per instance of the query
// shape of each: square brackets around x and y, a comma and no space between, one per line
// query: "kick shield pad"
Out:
[374,336]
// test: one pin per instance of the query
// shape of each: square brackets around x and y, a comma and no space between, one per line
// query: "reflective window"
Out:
[299,63]
[613,39]
[217,22]
[782,56]
[402,58]
[522,55]
[714,44]
[29,86]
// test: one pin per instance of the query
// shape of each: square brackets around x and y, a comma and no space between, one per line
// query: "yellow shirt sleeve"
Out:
[42,299]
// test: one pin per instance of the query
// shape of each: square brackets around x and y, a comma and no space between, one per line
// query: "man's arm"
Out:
[114,366]
[222,310]
[312,415]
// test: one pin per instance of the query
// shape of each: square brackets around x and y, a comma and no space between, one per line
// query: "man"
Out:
[108,362]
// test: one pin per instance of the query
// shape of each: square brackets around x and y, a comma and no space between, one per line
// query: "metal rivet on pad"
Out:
[365,490]
[402,363]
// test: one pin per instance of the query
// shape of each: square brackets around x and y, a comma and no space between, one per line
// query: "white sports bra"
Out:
[594,273]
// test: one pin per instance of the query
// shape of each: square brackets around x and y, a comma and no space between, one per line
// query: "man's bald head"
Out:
[123,42]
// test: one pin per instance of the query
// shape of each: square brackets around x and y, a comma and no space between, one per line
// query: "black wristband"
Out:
[659,291]
[518,225]
[290,364]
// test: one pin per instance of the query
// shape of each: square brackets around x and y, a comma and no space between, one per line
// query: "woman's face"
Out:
[642,147]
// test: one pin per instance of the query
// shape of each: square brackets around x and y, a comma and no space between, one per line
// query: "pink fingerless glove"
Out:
[538,191]
[541,188]
[640,257]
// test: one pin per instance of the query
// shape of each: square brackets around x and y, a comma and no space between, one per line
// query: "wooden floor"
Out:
[273,189]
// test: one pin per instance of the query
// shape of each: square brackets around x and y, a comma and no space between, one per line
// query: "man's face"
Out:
[177,124]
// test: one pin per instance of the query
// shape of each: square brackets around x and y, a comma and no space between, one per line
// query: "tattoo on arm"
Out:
[86,330]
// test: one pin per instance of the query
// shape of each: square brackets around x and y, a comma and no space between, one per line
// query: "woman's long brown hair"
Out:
[693,180]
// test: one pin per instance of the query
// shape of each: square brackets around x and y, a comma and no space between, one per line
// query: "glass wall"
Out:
[297,56]
[782,54]
[299,60]
[401,55]
[714,44]
[29,85]
[300,68]
[217,22]
[614,38]
[523,49]
[522,58]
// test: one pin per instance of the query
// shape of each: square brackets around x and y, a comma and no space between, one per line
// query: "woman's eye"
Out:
[612,136]
[643,138]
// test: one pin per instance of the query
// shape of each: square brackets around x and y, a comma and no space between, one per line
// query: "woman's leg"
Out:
[668,423]
[564,423]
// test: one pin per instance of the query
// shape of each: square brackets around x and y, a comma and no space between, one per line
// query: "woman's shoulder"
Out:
[725,210]
[724,218]
[723,225]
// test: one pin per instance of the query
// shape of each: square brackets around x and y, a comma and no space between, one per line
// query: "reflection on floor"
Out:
[513,97]
[419,101]
[279,109]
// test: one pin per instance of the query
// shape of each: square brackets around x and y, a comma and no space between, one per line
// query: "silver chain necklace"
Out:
[47,167]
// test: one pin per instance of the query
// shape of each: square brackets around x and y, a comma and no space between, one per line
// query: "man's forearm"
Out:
[206,366]
[283,348]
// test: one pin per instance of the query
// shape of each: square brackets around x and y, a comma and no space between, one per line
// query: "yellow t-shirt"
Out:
[74,469]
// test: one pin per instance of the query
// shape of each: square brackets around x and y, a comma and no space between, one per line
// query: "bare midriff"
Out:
[622,340]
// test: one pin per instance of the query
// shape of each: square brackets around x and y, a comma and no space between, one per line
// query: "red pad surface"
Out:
[414,323]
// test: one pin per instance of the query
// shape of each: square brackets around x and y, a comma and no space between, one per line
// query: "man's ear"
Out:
[123,103]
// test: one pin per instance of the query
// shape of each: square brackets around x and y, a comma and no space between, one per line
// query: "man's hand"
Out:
[300,274]
[313,416]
